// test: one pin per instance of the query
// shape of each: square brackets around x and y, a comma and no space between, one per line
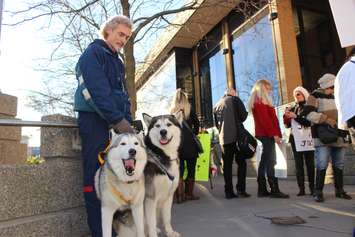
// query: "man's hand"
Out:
[331,122]
[123,127]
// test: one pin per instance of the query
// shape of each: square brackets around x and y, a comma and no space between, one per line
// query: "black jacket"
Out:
[189,150]
[229,114]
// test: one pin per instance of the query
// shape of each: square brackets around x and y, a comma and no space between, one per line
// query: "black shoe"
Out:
[231,195]
[343,195]
[301,193]
[279,195]
[264,193]
[318,197]
[243,194]
[311,192]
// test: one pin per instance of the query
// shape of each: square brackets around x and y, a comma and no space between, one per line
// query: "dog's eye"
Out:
[157,125]
[122,143]
[168,124]
[136,143]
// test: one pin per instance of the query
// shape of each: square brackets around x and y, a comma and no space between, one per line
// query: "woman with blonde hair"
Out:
[267,130]
[188,150]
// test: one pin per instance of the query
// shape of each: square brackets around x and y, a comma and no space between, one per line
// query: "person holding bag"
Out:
[229,113]
[300,94]
[267,130]
[320,109]
[189,149]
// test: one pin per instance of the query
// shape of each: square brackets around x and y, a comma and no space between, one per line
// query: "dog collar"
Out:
[153,158]
[119,195]
[102,154]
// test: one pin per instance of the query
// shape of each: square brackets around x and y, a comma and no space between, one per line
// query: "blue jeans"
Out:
[268,157]
[323,153]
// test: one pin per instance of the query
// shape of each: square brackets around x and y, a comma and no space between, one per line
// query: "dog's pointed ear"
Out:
[179,116]
[147,119]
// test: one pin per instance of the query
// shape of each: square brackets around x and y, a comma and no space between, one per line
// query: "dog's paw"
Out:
[173,234]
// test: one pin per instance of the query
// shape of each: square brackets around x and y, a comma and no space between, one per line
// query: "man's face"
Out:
[118,37]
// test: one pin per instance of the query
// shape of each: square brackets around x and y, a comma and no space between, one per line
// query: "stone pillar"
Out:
[286,49]
[11,150]
[59,142]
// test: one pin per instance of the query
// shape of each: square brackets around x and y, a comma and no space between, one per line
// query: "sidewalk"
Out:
[215,216]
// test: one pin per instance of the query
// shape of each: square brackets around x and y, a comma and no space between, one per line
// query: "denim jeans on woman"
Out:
[268,157]
[324,153]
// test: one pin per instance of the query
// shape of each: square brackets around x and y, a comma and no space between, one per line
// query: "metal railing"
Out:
[23,123]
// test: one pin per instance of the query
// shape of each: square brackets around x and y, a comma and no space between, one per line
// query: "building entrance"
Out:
[317,40]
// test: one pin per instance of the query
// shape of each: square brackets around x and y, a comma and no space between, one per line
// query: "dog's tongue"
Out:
[129,163]
[164,141]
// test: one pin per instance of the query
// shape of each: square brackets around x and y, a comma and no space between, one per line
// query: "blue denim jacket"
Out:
[101,86]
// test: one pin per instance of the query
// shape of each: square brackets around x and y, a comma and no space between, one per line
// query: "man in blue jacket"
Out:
[103,103]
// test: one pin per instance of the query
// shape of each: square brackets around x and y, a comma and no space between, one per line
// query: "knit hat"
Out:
[302,90]
[326,81]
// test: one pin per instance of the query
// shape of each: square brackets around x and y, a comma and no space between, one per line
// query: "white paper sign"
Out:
[344,18]
[303,137]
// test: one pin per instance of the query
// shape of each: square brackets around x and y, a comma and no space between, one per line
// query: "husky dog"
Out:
[162,141]
[119,182]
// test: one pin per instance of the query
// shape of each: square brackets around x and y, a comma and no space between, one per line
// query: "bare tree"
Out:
[72,25]
[77,23]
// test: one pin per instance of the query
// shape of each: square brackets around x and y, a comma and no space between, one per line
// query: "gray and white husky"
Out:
[162,141]
[119,183]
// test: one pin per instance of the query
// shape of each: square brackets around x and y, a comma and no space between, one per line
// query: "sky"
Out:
[20,48]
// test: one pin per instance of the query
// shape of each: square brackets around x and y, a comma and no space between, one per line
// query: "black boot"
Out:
[311,185]
[318,193]
[229,193]
[302,192]
[310,173]
[338,183]
[262,190]
[300,182]
[275,191]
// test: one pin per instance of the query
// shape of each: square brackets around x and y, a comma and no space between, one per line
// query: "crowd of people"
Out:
[104,104]
[316,110]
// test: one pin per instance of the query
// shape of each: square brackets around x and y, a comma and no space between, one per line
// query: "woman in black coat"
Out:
[188,152]
[301,95]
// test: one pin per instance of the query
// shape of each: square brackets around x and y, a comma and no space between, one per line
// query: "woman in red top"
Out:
[267,130]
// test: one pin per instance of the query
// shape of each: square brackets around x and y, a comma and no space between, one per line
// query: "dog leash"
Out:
[154,159]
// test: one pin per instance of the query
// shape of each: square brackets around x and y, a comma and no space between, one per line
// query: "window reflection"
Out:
[254,59]
[155,96]
[213,83]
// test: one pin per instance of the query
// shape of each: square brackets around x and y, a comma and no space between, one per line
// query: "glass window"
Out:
[155,96]
[213,83]
[254,58]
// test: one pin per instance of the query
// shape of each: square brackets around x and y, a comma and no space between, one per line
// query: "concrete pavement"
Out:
[215,216]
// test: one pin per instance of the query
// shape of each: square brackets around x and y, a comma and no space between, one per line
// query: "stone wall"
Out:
[45,200]
[11,150]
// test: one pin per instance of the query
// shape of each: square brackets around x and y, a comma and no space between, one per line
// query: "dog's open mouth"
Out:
[164,140]
[129,165]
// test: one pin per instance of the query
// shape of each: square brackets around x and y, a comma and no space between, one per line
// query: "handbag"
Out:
[246,144]
[326,133]
[194,137]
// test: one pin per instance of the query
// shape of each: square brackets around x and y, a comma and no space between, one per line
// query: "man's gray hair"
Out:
[112,23]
